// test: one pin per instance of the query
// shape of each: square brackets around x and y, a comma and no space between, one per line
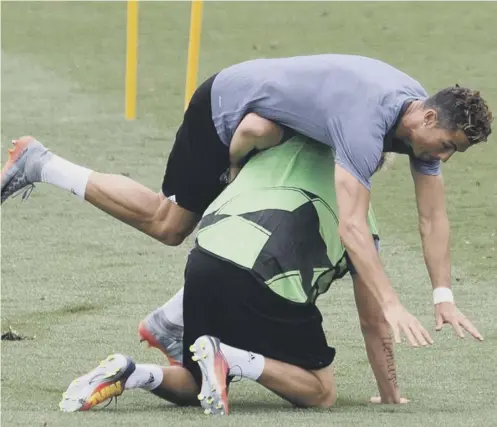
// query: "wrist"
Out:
[391,299]
[390,396]
[233,172]
[442,294]
[389,400]
[235,161]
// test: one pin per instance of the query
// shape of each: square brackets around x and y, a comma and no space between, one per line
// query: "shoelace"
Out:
[235,377]
[112,399]
[25,192]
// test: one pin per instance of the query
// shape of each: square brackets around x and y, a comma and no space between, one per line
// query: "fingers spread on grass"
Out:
[438,322]
[409,335]
[426,335]
[418,334]
[377,400]
[468,326]
[396,333]
[457,327]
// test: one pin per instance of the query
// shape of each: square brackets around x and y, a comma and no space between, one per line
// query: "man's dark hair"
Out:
[462,108]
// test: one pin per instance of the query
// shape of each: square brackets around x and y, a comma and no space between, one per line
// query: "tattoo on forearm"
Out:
[387,344]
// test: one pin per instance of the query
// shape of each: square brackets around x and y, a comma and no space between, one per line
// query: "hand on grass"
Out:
[377,400]
[401,321]
[447,312]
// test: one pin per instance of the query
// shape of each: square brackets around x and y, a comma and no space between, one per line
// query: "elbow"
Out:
[424,226]
[347,231]
[434,223]
[254,126]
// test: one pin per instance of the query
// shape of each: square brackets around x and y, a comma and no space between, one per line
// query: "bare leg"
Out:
[298,386]
[114,375]
[130,202]
[302,387]
[178,386]
[116,195]
[30,162]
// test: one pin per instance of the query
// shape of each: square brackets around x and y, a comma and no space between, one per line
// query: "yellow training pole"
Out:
[193,49]
[131,59]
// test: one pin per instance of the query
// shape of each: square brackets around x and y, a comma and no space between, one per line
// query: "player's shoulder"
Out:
[392,89]
[398,83]
[377,86]
[382,77]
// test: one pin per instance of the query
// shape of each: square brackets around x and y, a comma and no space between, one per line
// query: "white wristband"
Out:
[442,295]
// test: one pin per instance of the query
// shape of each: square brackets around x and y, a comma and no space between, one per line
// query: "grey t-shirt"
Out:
[347,102]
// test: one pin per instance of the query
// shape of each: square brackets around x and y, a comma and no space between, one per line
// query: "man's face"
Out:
[430,142]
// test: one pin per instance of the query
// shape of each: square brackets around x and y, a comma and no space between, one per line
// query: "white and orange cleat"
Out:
[213,393]
[105,382]
[159,332]
[23,167]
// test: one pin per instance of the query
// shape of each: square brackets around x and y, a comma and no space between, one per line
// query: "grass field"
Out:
[80,281]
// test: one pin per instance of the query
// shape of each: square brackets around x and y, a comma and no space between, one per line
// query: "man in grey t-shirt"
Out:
[359,106]
[362,108]
[347,102]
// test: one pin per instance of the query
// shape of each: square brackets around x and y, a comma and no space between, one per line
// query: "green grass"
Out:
[80,281]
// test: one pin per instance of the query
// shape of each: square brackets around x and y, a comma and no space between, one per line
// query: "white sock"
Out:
[243,363]
[174,308]
[147,377]
[66,175]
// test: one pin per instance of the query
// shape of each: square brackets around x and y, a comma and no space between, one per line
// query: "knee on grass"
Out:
[324,397]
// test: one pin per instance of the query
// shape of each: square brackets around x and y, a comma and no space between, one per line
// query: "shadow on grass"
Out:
[73,309]
[33,320]
[67,310]
[254,407]
[236,407]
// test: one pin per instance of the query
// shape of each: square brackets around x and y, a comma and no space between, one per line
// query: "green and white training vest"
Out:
[279,220]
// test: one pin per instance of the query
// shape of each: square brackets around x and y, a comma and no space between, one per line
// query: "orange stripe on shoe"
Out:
[145,335]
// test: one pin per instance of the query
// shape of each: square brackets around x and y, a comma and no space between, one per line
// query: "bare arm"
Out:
[433,226]
[353,203]
[434,229]
[379,343]
[253,132]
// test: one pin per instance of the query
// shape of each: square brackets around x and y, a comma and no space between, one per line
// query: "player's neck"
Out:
[407,120]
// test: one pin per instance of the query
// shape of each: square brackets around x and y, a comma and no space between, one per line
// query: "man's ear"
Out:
[430,118]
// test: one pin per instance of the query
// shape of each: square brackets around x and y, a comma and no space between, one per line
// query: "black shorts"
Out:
[198,158]
[226,301]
